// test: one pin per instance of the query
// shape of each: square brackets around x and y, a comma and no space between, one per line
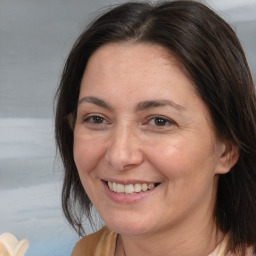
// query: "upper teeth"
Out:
[130,188]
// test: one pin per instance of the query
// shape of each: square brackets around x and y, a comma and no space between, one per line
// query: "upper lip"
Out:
[126,182]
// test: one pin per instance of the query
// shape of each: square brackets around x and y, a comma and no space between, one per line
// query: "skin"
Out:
[128,142]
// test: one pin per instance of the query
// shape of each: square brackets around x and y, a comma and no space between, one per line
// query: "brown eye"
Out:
[160,121]
[95,120]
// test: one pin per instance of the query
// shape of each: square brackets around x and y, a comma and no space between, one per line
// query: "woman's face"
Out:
[142,131]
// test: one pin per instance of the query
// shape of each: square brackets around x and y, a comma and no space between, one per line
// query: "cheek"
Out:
[168,157]
[87,154]
[182,158]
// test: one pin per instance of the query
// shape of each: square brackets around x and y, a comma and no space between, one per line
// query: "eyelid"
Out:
[167,119]
[95,115]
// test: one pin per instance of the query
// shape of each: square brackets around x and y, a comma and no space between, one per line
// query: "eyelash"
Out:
[94,118]
[98,120]
[162,119]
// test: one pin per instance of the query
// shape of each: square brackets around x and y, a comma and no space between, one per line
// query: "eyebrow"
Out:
[140,107]
[96,101]
[158,103]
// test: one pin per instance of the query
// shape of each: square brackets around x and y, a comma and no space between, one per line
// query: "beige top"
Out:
[103,242]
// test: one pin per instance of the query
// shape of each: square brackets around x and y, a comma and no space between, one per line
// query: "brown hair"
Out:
[210,53]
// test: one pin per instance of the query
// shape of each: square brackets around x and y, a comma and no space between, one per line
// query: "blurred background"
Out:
[35,38]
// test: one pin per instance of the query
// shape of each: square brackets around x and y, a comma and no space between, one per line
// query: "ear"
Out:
[229,155]
[71,121]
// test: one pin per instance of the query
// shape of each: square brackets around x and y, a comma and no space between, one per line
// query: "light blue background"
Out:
[35,38]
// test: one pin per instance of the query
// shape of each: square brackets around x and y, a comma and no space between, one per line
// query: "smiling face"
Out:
[142,131]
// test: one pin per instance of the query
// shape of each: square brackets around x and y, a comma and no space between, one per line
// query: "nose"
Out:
[124,151]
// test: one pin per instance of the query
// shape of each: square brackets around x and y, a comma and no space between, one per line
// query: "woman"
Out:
[155,125]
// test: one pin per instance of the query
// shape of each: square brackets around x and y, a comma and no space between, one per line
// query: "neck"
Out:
[187,241]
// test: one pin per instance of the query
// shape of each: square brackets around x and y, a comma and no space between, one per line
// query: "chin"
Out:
[128,226]
[128,230]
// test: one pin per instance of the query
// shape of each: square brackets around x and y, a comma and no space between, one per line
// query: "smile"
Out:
[130,188]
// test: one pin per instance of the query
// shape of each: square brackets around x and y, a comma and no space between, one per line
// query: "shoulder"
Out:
[222,249]
[102,241]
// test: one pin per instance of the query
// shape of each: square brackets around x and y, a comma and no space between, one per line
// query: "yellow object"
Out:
[11,246]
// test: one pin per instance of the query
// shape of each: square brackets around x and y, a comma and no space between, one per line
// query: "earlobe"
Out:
[228,158]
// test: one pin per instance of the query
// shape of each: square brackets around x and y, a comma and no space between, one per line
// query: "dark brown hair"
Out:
[212,57]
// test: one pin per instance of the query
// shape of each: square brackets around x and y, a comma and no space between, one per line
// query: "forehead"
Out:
[150,49]
[133,63]
[133,54]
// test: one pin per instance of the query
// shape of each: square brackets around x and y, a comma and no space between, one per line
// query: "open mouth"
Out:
[130,188]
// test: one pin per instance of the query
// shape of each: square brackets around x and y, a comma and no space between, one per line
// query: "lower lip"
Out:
[127,198]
